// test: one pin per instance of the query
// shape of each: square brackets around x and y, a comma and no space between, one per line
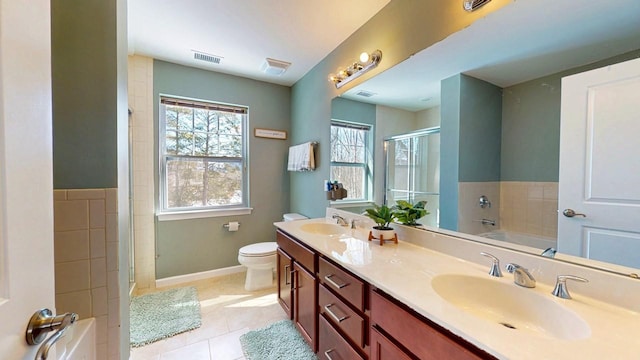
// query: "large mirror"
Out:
[520,53]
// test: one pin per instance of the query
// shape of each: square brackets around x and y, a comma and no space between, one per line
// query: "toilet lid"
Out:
[259,249]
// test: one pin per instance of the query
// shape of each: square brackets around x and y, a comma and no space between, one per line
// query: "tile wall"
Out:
[519,206]
[86,261]
[141,120]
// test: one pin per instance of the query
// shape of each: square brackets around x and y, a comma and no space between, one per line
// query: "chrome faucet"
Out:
[521,276]
[561,285]
[340,220]
[495,265]
[549,252]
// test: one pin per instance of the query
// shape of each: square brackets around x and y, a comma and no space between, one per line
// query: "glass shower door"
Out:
[413,171]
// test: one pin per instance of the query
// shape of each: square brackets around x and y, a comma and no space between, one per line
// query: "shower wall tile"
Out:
[529,207]
[141,102]
[86,248]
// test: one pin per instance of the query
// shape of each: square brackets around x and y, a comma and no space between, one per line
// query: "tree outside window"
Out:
[202,149]
[349,158]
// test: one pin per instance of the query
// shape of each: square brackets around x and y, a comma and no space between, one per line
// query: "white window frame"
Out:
[367,165]
[190,212]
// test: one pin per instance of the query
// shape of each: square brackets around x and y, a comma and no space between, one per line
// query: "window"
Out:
[351,158]
[202,155]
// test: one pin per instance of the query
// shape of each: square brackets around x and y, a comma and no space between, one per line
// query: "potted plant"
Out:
[408,214]
[383,216]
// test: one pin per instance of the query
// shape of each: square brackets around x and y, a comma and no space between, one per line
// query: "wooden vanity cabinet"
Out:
[398,333]
[285,290]
[344,328]
[301,301]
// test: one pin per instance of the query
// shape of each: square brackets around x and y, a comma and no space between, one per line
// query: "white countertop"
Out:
[405,271]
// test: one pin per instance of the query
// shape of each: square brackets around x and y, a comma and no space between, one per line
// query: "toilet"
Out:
[260,260]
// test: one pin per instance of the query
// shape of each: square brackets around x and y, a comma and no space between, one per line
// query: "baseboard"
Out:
[181,279]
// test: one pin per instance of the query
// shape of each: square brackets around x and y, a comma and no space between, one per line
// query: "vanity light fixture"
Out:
[473,5]
[366,62]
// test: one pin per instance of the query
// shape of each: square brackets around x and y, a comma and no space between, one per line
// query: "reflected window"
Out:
[350,158]
[202,155]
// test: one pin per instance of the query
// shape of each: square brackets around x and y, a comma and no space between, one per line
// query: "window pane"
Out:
[171,142]
[230,124]
[185,118]
[185,143]
[352,178]
[201,119]
[201,144]
[172,117]
[190,185]
[348,145]
[230,146]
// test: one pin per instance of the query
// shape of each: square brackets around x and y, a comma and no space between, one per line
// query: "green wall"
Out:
[400,29]
[480,130]
[450,90]
[84,70]
[188,246]
[531,125]
[354,111]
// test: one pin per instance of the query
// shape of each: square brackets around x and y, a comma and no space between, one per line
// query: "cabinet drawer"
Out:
[423,340]
[347,286]
[342,316]
[332,346]
[297,251]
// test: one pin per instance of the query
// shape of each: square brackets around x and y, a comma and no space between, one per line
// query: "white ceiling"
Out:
[525,40]
[245,32]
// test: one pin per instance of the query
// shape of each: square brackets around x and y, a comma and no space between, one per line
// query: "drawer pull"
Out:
[339,286]
[286,272]
[293,279]
[333,315]
[326,354]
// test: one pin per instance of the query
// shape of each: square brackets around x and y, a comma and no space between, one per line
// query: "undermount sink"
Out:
[508,305]
[323,229]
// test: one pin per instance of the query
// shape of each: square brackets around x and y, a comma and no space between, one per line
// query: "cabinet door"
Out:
[383,349]
[284,282]
[305,304]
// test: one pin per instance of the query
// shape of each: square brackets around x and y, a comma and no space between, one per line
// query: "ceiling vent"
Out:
[473,5]
[274,67]
[365,93]
[206,57]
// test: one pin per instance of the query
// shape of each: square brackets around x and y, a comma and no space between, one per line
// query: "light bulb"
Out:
[364,58]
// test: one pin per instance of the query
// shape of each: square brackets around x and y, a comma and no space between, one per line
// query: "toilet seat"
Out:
[259,249]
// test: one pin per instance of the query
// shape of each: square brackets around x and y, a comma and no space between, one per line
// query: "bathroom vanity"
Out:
[342,316]
[353,299]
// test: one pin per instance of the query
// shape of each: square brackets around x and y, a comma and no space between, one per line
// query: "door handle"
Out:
[42,322]
[286,272]
[570,213]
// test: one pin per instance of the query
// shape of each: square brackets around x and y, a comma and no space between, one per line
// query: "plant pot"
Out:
[381,232]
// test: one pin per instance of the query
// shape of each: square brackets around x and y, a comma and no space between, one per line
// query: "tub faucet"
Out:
[521,276]
[340,220]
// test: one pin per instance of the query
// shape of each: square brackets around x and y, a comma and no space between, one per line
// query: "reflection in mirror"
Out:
[412,171]
[499,112]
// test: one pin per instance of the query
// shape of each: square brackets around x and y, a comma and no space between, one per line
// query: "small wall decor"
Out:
[270,133]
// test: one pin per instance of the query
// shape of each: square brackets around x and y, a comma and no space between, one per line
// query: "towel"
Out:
[301,157]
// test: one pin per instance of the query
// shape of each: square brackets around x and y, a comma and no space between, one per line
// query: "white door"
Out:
[26,195]
[600,164]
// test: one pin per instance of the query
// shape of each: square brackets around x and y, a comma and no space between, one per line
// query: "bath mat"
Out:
[279,340]
[163,314]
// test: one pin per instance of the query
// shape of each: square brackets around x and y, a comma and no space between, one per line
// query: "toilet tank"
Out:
[293,217]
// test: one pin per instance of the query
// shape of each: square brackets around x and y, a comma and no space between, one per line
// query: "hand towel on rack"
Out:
[301,157]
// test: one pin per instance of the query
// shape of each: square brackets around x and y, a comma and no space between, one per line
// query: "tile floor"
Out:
[228,311]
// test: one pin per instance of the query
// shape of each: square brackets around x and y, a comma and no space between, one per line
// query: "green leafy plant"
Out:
[407,213]
[381,215]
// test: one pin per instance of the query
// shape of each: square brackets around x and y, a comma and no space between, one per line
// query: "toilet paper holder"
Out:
[227,225]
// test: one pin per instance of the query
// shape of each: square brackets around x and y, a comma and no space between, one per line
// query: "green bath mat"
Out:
[163,314]
[279,340]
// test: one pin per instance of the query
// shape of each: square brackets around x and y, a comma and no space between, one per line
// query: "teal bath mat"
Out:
[279,340]
[163,314]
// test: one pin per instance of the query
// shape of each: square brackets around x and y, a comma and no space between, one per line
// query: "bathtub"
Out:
[521,239]
[78,342]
